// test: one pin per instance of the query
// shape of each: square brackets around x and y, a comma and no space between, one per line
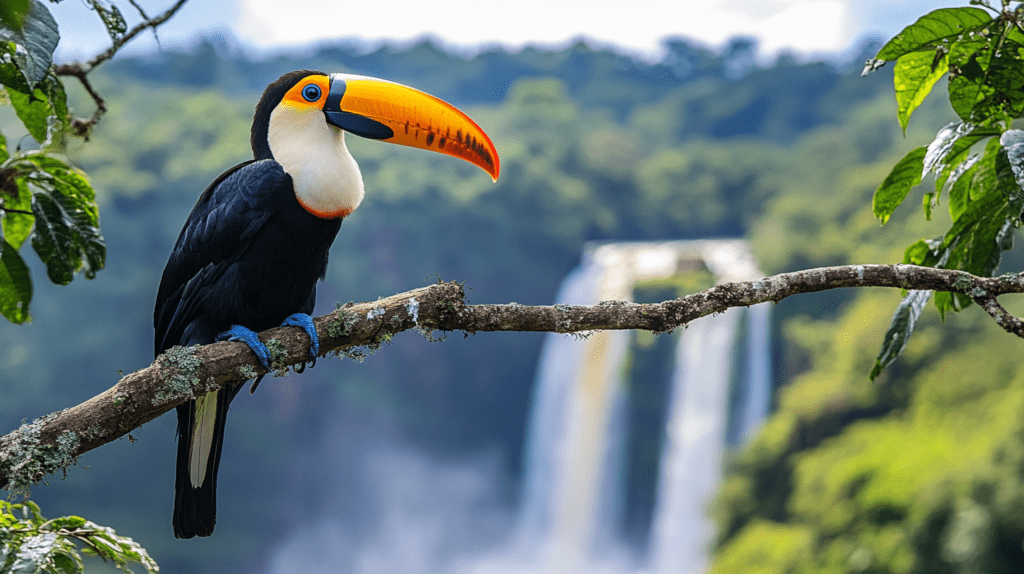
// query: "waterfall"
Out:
[551,419]
[424,515]
[573,494]
[757,401]
[695,440]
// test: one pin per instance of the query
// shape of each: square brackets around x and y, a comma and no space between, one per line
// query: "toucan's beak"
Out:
[394,113]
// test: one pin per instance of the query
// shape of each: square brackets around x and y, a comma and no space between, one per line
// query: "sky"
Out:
[808,28]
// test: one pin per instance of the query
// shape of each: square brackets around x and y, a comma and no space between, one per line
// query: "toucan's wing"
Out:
[218,231]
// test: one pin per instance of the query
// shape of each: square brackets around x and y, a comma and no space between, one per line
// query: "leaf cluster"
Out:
[41,195]
[31,544]
[977,161]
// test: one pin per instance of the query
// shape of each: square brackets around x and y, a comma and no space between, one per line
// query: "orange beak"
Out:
[386,111]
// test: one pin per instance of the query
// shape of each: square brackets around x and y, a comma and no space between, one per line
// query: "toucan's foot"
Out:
[306,323]
[248,336]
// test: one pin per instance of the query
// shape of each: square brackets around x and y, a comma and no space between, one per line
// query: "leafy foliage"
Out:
[36,39]
[899,332]
[111,17]
[904,177]
[43,196]
[982,51]
[31,544]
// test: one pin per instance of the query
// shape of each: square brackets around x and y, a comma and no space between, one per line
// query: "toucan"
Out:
[256,242]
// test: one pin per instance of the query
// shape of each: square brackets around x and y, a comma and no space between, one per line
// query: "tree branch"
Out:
[55,441]
[81,127]
[81,71]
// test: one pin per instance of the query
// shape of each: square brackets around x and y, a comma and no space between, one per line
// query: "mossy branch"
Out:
[54,442]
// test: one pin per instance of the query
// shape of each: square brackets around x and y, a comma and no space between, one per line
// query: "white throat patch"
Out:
[326,177]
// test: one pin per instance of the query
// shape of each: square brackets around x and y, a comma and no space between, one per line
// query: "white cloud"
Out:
[804,26]
[800,24]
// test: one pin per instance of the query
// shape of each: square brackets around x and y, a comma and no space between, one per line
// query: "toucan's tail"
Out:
[200,439]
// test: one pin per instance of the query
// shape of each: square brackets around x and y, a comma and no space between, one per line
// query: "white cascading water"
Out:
[758,399]
[694,444]
[572,493]
[570,489]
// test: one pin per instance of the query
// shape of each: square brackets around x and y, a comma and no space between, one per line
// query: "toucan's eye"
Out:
[311,92]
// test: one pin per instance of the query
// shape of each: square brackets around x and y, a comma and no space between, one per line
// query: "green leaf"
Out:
[960,187]
[967,87]
[950,155]
[10,76]
[55,171]
[44,113]
[952,144]
[118,549]
[33,508]
[945,303]
[1013,142]
[915,75]
[980,250]
[933,29]
[67,563]
[8,548]
[34,554]
[16,227]
[900,329]
[33,111]
[15,285]
[66,236]
[37,40]
[872,66]
[916,253]
[943,143]
[112,18]
[978,246]
[985,84]
[67,522]
[903,177]
[4,154]
[12,14]
[58,100]
[995,176]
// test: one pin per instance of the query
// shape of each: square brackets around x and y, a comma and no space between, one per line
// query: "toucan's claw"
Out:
[248,336]
[256,383]
[301,367]
[306,323]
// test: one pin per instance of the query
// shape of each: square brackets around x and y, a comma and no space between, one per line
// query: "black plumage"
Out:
[248,255]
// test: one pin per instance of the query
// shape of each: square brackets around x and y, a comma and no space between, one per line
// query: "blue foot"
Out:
[306,323]
[248,336]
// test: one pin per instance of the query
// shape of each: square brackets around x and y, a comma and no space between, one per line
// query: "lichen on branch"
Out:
[54,442]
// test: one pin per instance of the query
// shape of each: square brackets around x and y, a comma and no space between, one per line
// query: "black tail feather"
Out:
[195,509]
